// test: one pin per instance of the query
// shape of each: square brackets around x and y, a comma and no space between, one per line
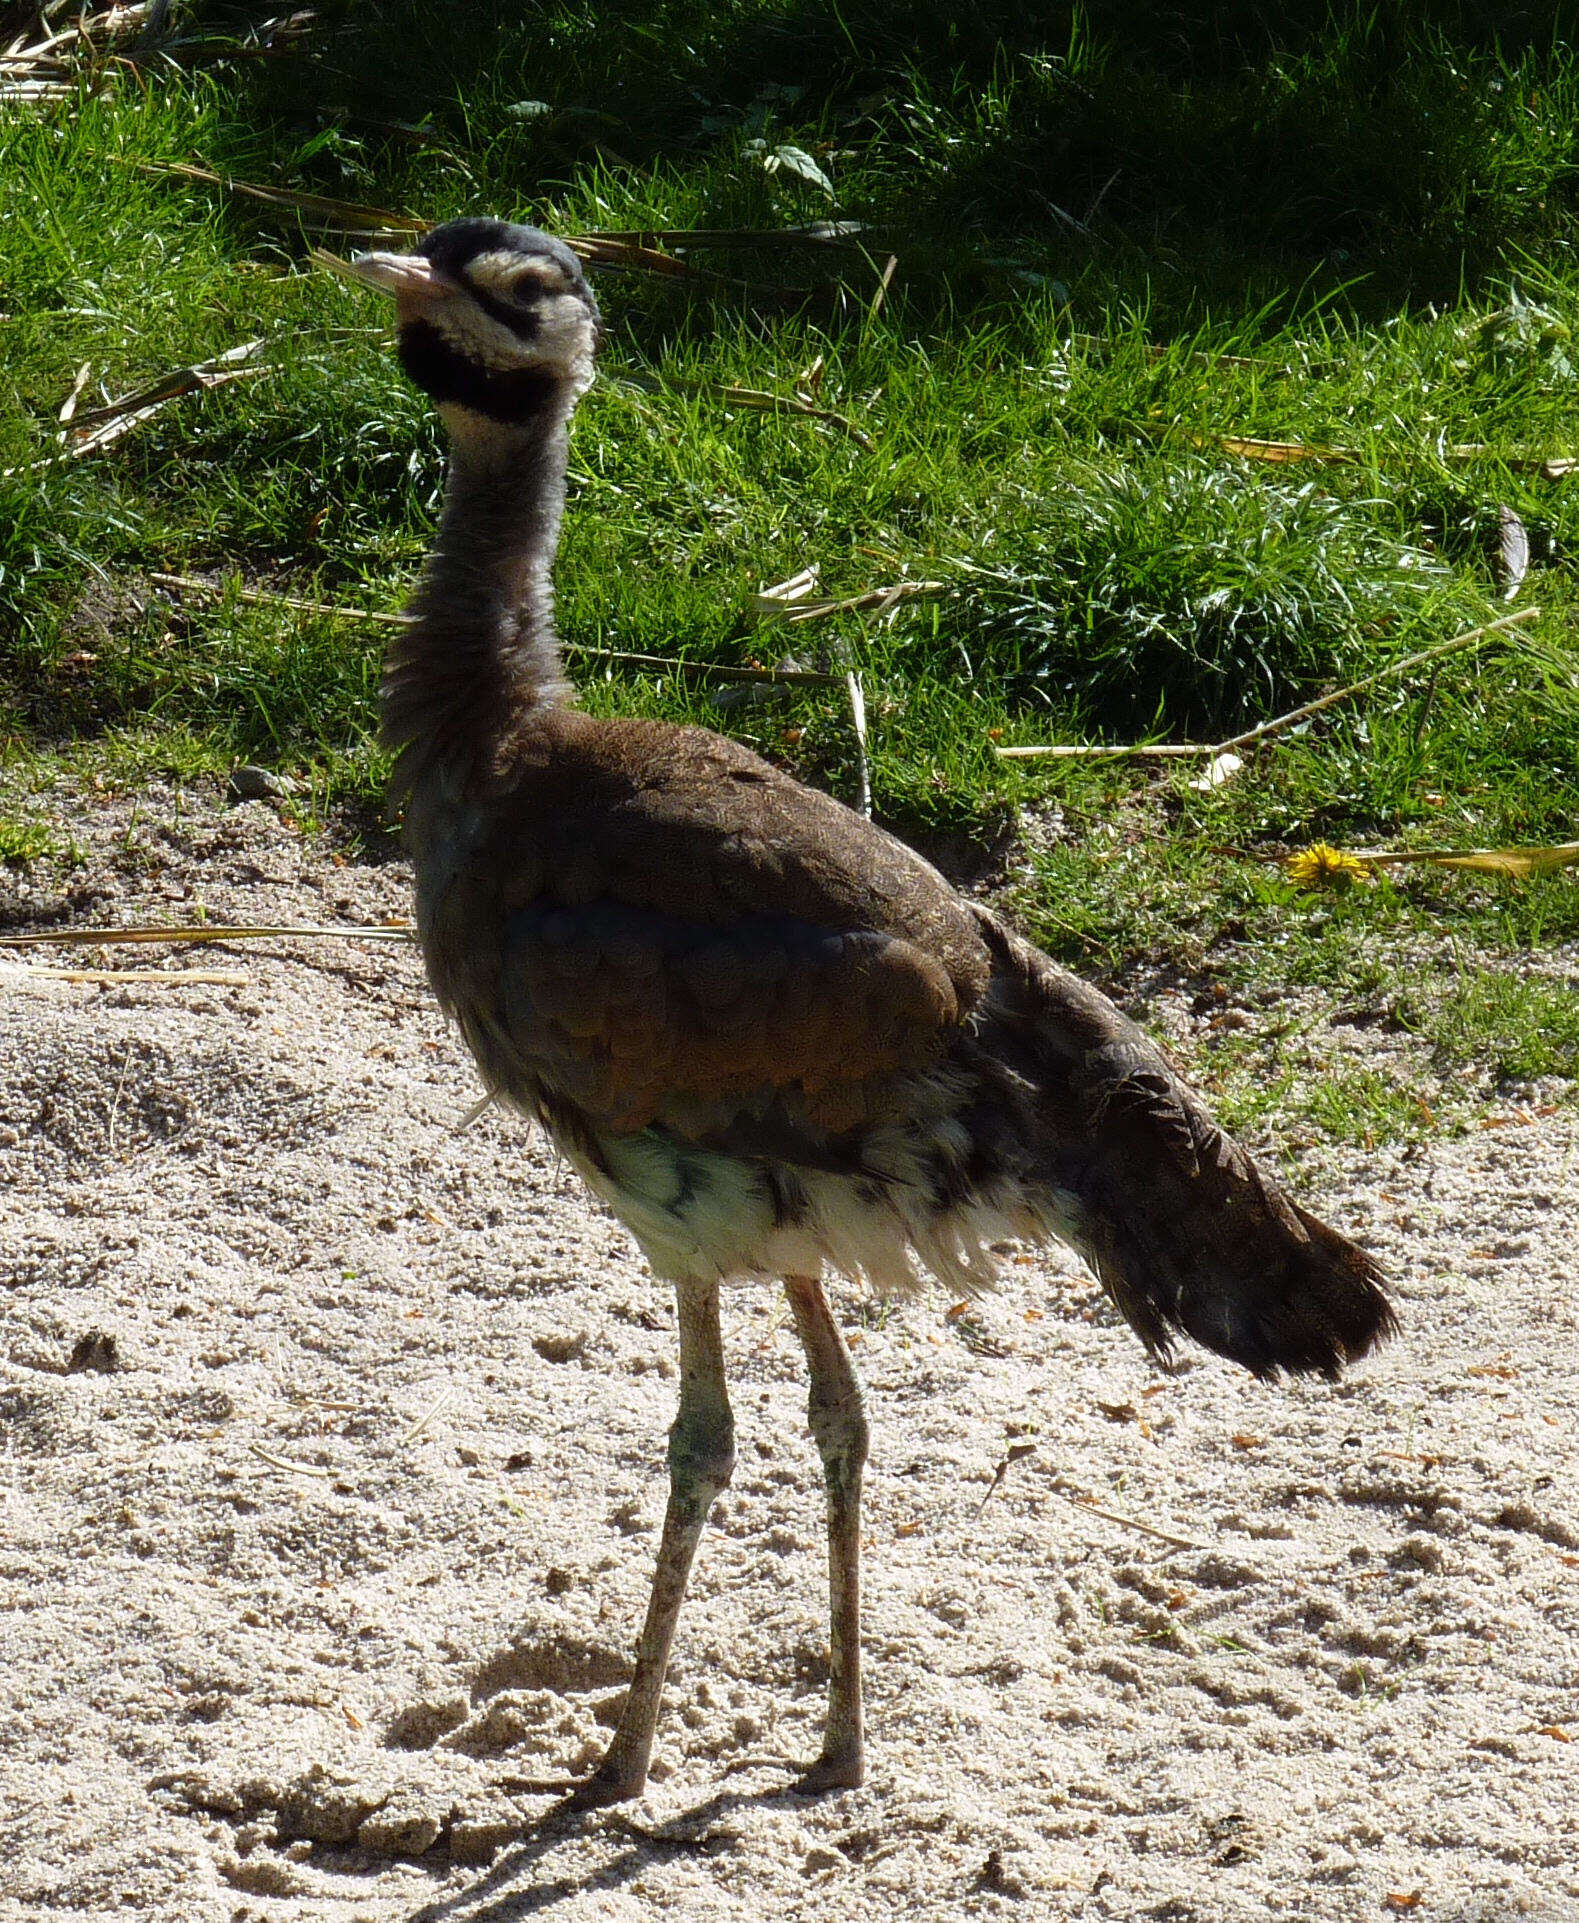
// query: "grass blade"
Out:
[321,210]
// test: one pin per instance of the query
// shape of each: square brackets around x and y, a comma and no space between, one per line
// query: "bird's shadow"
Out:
[512,1888]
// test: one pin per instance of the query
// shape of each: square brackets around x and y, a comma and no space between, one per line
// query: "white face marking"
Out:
[511,277]
[565,337]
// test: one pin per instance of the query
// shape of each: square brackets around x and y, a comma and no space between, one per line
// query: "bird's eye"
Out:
[516,282]
[530,284]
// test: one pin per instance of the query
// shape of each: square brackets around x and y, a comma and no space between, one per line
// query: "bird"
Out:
[767,1034]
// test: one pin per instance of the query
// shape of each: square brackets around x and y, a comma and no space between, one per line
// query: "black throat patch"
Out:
[501,394]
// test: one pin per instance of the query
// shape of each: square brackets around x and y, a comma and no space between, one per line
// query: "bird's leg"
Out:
[838,1424]
[701,1461]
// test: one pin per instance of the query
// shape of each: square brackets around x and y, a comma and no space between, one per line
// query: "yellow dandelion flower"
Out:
[1323,866]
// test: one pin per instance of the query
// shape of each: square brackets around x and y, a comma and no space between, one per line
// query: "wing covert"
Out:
[638,1016]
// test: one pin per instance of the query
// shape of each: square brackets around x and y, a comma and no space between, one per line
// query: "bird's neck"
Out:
[481,653]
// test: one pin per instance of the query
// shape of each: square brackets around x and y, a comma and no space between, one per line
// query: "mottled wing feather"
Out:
[675,923]
[634,1013]
[693,825]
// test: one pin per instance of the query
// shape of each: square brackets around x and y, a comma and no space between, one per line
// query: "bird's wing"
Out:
[676,925]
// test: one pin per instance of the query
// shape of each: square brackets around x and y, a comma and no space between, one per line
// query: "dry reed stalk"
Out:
[14,975]
[203,932]
[1279,722]
[329,610]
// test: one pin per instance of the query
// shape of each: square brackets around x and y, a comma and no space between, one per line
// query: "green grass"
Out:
[1123,233]
[1520,1028]
[26,839]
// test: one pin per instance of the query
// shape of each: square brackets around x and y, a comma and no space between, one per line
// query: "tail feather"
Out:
[1187,1232]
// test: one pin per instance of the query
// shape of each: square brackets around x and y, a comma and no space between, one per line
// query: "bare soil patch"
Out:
[334,1454]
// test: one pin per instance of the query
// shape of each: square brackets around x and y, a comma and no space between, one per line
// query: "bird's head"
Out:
[495,320]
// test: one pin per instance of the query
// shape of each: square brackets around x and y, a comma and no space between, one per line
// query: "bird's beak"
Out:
[397,274]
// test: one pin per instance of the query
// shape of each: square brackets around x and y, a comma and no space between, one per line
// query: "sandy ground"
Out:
[333,1458]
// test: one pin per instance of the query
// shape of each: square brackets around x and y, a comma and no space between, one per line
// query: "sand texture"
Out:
[333,1457]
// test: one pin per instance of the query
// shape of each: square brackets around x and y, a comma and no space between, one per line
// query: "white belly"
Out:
[697,1212]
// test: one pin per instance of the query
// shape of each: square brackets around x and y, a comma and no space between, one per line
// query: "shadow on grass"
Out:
[1208,154]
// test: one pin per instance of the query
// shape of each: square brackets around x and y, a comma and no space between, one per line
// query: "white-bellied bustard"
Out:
[768,1035]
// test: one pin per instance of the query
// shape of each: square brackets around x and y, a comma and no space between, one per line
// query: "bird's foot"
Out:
[606,1786]
[840,1766]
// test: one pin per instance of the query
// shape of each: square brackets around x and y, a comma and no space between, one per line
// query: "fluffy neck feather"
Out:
[481,652]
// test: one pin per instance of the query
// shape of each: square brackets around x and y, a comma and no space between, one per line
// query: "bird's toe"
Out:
[841,1768]
[604,1788]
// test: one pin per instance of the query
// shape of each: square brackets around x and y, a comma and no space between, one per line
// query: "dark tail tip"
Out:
[1318,1304]
[1281,1294]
